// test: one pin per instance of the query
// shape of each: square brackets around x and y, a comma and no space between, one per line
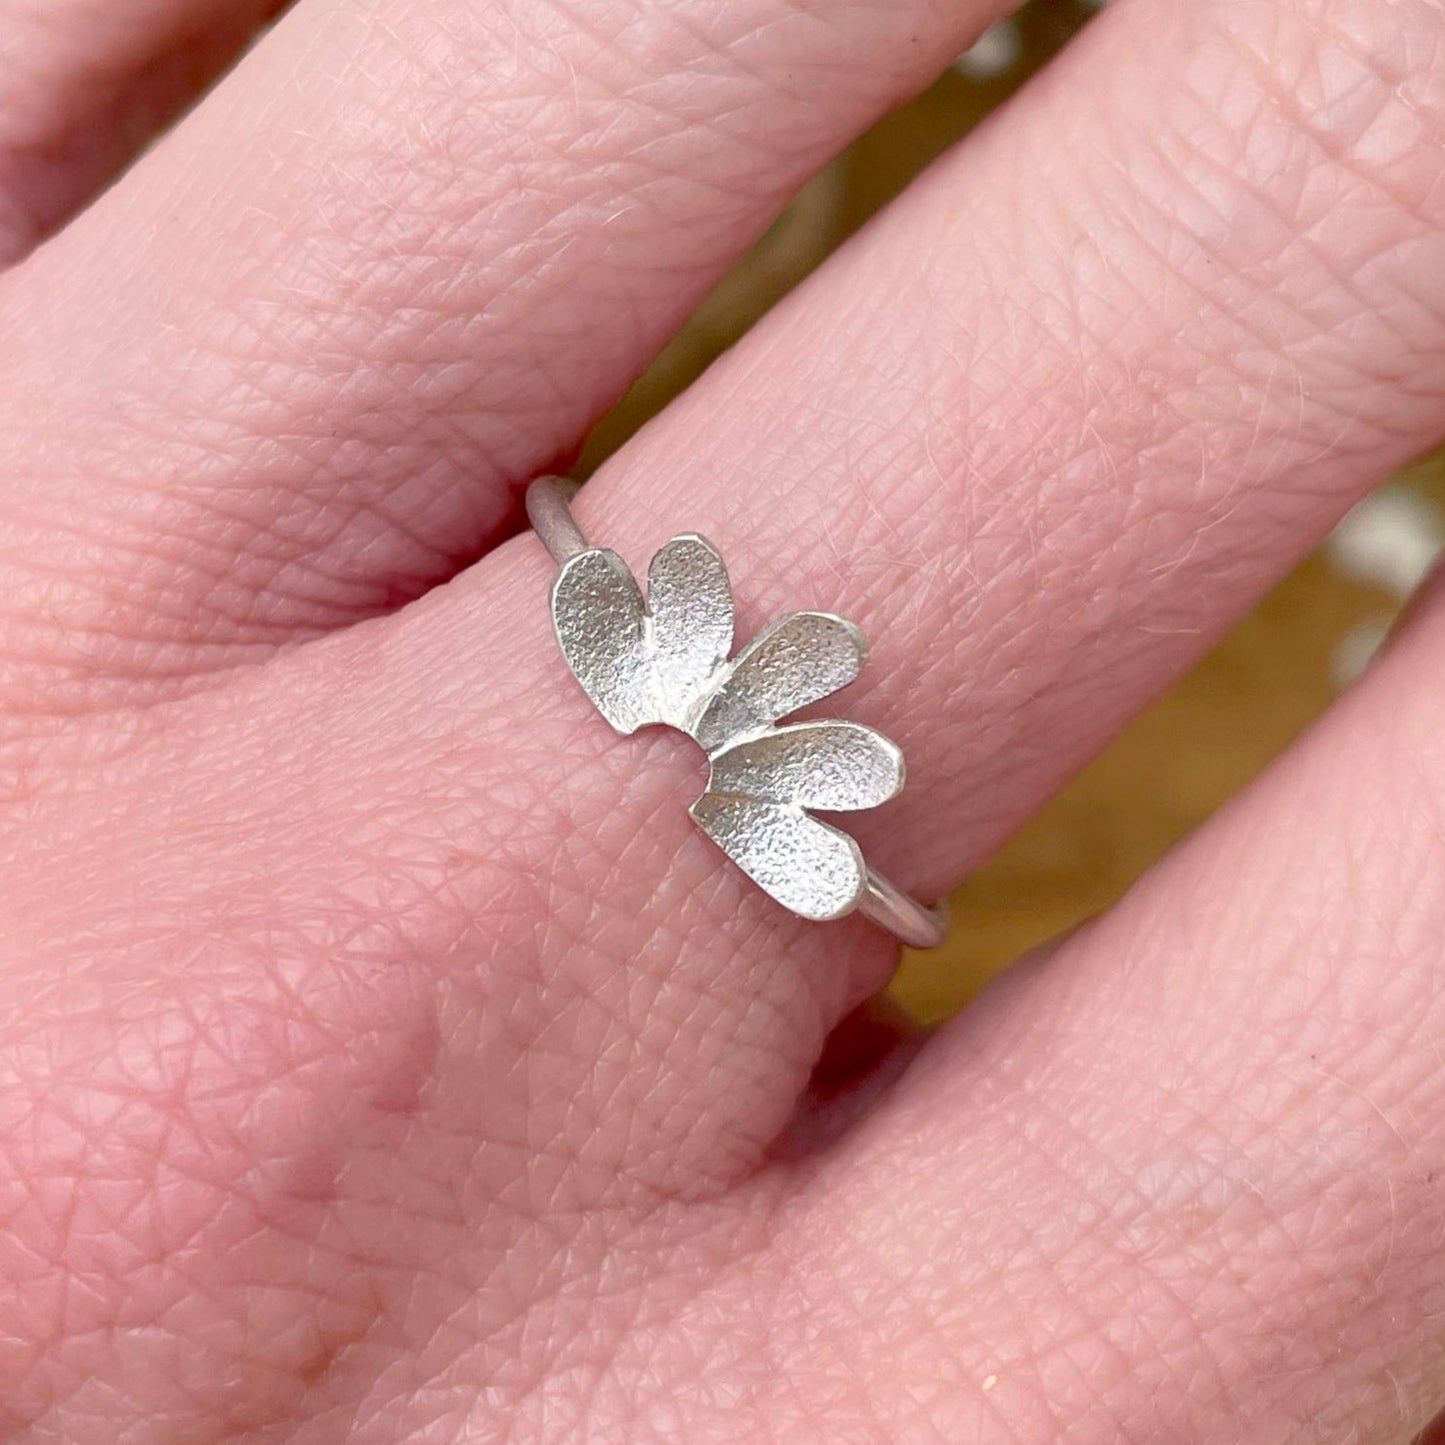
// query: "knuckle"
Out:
[1296,185]
[1333,103]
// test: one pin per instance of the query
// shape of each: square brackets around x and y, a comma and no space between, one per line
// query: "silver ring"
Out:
[666,660]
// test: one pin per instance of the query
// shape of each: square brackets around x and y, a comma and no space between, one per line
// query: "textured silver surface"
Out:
[839,766]
[664,659]
[800,660]
[807,865]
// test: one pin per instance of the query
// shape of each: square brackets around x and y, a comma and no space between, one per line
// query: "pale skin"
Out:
[384,1057]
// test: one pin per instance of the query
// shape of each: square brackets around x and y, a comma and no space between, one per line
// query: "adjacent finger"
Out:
[1203,1147]
[289,373]
[85,83]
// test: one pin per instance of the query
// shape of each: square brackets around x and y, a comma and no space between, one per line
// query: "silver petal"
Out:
[841,766]
[691,607]
[797,661]
[599,615]
[805,864]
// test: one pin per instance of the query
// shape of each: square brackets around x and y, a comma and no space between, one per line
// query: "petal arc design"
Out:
[664,659]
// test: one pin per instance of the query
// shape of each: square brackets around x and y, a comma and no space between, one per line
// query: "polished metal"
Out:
[667,659]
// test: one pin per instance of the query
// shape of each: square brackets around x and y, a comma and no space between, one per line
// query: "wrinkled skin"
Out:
[384,1056]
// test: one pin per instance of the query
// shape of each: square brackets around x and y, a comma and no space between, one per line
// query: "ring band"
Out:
[667,659]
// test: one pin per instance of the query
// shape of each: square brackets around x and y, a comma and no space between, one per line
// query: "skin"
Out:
[383,1055]
[86,82]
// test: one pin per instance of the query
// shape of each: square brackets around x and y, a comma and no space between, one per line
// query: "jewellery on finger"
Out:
[664,659]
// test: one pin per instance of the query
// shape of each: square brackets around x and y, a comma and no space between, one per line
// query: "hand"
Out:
[386,1057]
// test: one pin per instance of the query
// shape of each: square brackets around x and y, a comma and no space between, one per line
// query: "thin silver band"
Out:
[886,904]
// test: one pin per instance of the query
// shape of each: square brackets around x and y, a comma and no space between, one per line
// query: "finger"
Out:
[432,788]
[83,85]
[1205,1144]
[1009,638]
[511,796]
[396,264]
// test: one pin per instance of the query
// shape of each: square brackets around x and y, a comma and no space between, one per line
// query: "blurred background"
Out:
[1218,725]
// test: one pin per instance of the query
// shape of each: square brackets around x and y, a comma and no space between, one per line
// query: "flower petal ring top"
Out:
[667,659]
